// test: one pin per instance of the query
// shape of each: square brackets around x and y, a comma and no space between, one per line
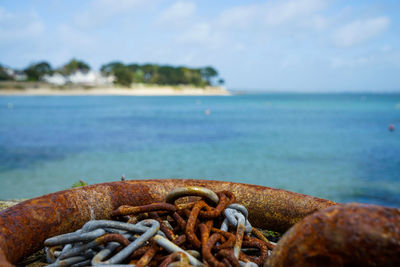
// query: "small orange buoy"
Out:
[391,127]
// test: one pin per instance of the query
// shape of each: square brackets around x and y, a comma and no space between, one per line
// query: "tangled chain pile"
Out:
[211,231]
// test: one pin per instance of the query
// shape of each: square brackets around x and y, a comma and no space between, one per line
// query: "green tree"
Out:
[150,73]
[208,73]
[193,76]
[123,76]
[133,67]
[170,75]
[159,74]
[139,76]
[74,65]
[137,72]
[4,75]
[109,68]
[35,72]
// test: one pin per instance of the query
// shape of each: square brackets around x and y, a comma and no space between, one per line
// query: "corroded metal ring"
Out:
[192,191]
[342,235]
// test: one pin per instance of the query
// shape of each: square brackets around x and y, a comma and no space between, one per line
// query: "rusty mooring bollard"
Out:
[342,235]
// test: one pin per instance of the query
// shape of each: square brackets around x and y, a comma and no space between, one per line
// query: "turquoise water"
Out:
[331,146]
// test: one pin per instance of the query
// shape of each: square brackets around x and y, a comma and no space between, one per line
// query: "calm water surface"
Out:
[332,146]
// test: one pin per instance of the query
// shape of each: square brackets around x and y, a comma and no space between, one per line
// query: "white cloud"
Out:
[252,24]
[319,23]
[386,48]
[198,33]
[239,47]
[73,37]
[271,13]
[178,13]
[99,11]
[19,26]
[360,31]
[239,16]
[340,62]
[291,60]
[280,12]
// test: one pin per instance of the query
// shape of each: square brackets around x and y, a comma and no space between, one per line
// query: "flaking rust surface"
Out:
[342,235]
[25,226]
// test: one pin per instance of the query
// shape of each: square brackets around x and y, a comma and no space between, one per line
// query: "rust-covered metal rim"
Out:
[25,226]
[351,234]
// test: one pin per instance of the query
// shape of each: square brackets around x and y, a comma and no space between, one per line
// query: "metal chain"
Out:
[164,234]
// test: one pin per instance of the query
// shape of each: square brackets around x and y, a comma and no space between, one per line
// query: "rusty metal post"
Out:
[342,235]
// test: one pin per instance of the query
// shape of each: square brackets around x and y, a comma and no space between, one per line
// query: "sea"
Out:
[333,146]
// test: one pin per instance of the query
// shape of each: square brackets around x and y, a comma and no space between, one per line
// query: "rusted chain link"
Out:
[74,237]
[233,213]
[212,230]
[192,191]
[183,259]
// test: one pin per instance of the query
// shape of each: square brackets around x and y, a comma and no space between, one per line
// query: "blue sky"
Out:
[293,45]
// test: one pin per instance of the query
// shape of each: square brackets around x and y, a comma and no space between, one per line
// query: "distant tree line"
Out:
[160,74]
[35,71]
[125,75]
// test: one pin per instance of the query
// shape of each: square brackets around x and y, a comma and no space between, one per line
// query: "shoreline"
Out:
[134,91]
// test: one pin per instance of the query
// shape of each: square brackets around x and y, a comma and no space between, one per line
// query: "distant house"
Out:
[56,79]
[9,71]
[85,78]
[17,75]
[20,76]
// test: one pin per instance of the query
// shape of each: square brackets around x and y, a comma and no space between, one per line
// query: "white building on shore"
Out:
[56,79]
[15,74]
[85,78]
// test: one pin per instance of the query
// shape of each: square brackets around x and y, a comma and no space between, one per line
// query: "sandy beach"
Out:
[134,91]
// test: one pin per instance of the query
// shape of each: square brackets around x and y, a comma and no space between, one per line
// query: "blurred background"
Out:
[300,95]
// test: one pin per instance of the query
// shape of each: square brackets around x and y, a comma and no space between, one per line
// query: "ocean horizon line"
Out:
[292,91]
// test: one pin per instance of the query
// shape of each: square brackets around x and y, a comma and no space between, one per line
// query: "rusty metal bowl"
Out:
[25,226]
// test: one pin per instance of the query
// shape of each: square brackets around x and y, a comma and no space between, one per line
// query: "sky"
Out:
[291,45]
